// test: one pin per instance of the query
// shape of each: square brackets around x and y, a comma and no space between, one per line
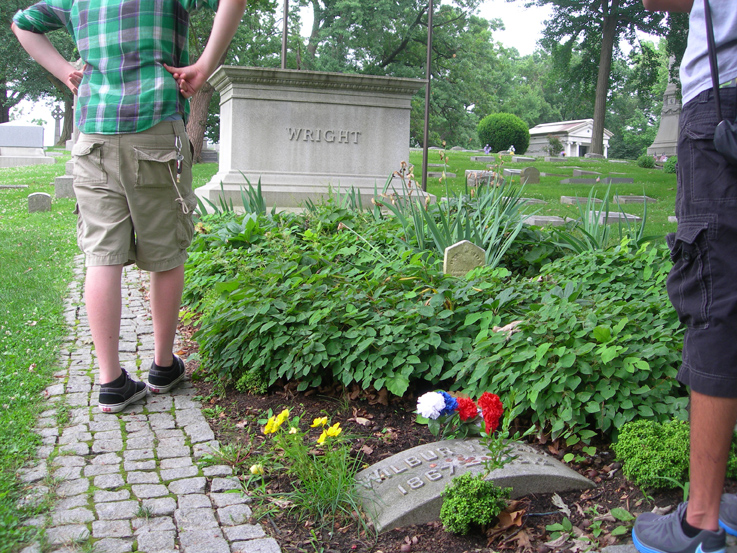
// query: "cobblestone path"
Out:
[131,481]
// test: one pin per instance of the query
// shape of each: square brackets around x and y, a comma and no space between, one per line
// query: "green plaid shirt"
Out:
[124,44]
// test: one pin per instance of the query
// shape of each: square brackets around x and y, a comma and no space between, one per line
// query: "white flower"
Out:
[430,405]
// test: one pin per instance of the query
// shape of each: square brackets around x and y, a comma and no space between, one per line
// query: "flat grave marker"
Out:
[634,199]
[405,489]
[544,221]
[573,200]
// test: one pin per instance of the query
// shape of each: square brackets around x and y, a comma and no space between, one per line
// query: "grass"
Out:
[36,256]
[648,182]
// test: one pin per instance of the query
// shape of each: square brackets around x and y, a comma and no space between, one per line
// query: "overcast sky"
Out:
[522,26]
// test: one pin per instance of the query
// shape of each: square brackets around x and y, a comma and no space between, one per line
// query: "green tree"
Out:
[256,44]
[636,100]
[24,78]
[595,29]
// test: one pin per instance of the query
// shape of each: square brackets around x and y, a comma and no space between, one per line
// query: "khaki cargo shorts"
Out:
[131,206]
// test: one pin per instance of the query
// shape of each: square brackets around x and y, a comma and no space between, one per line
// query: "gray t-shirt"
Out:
[695,72]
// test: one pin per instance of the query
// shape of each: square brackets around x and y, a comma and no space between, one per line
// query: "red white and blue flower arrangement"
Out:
[459,417]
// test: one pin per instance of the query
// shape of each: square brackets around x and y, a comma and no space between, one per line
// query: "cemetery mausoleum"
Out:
[574,135]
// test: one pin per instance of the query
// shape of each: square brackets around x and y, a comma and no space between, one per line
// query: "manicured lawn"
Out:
[36,256]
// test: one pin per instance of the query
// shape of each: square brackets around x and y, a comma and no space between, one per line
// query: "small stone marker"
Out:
[12,186]
[544,221]
[530,175]
[439,174]
[462,257]
[511,172]
[574,200]
[594,156]
[522,159]
[582,173]
[405,488]
[614,217]
[607,180]
[483,159]
[634,199]
[531,201]
[39,201]
[474,178]
[555,159]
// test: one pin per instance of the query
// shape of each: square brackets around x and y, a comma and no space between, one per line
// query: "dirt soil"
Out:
[385,425]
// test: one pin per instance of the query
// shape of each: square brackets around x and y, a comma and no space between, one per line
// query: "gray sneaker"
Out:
[728,514]
[664,534]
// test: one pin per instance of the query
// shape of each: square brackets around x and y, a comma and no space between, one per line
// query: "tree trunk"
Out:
[199,106]
[602,81]
[4,105]
[67,127]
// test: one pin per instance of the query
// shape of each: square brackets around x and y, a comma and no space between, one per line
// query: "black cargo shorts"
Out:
[703,282]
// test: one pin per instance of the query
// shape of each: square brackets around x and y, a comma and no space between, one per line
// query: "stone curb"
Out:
[130,481]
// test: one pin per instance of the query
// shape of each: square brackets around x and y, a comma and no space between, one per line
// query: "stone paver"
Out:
[131,481]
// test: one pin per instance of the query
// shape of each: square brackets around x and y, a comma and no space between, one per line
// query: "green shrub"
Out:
[471,502]
[652,453]
[555,146]
[656,455]
[646,161]
[502,130]
[670,165]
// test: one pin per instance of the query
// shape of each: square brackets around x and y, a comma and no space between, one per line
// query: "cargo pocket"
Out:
[155,168]
[689,283]
[88,168]
[706,171]
[185,225]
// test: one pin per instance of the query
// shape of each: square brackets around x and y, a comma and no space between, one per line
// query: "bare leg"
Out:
[102,298]
[712,427]
[166,300]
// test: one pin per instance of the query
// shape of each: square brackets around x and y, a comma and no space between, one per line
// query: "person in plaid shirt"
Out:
[132,162]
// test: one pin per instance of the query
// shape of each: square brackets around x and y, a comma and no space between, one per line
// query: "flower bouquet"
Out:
[459,417]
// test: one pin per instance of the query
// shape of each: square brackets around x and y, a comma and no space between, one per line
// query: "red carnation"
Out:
[491,409]
[467,409]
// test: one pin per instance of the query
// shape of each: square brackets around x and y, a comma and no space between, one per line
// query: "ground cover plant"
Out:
[331,295]
[36,256]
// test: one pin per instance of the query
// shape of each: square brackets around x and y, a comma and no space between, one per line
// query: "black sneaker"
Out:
[163,379]
[114,399]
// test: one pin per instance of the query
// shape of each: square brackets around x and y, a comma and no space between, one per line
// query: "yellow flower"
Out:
[281,417]
[319,422]
[293,430]
[322,437]
[257,470]
[334,430]
[271,426]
